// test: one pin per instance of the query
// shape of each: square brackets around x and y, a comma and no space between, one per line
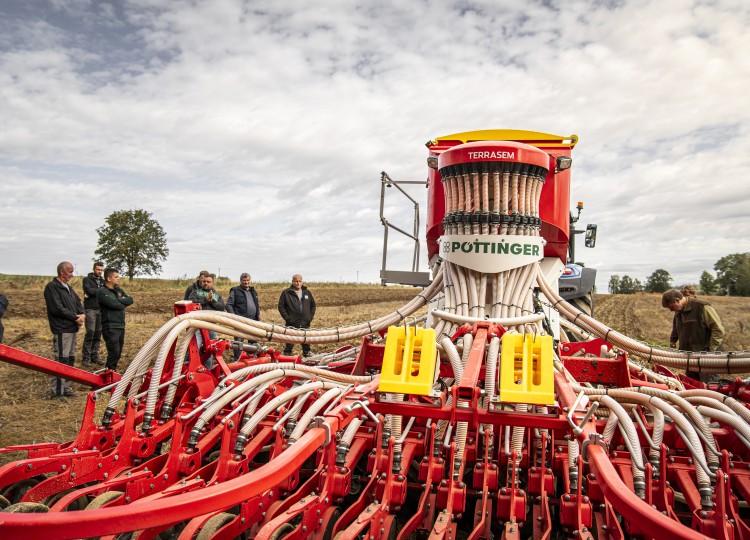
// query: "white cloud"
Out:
[256,132]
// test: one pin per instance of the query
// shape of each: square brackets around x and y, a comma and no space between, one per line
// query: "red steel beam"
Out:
[154,513]
[27,360]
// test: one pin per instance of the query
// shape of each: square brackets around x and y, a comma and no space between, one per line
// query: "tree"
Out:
[628,285]
[707,283]
[614,284]
[733,274]
[660,281]
[133,241]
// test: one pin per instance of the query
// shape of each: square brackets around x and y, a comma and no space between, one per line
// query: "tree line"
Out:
[732,279]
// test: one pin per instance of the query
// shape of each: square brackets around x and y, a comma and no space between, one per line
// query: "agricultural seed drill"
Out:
[481,421]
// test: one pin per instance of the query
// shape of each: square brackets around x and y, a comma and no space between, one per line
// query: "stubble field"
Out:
[26,415]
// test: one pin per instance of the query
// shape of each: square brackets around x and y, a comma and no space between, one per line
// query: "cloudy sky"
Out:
[255,131]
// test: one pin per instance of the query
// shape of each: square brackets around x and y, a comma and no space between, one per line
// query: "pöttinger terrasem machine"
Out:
[480,422]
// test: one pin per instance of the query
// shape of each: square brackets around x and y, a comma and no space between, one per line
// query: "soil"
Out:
[26,415]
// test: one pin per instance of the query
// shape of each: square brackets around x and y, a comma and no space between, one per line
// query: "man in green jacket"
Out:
[696,326]
[112,303]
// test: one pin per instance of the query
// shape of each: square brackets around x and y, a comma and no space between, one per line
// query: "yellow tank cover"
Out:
[526,370]
[409,361]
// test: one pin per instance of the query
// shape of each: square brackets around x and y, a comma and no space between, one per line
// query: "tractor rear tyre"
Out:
[584,303]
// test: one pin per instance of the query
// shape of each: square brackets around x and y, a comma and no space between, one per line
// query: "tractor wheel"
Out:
[213,525]
[584,303]
[27,508]
[4,503]
[104,498]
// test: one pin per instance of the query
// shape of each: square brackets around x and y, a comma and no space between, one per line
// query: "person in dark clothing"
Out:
[65,315]
[696,326]
[3,307]
[92,341]
[207,296]
[112,303]
[297,308]
[243,300]
[196,286]
[210,300]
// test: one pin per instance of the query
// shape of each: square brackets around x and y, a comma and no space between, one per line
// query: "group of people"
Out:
[102,314]
[296,303]
[696,325]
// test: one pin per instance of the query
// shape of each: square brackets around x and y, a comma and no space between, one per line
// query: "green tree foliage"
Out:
[133,242]
[707,283]
[658,282]
[614,284]
[733,274]
[628,285]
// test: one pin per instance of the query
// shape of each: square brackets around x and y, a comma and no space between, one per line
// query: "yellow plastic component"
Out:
[534,138]
[526,371]
[409,361]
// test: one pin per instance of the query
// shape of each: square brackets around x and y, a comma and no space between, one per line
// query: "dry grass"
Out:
[27,416]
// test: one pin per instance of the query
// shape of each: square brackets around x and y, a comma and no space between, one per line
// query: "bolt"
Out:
[127,499]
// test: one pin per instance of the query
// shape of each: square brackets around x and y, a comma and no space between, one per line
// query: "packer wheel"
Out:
[281,532]
[213,525]
[27,508]
[104,498]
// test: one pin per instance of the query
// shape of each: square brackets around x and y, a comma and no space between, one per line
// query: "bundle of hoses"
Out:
[688,409]
[702,362]
[157,348]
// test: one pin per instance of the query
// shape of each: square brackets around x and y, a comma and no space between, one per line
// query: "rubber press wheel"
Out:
[104,498]
[330,517]
[27,508]
[16,492]
[213,525]
[281,532]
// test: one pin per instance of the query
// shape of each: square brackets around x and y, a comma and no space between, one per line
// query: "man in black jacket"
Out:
[3,307]
[112,302]
[243,300]
[196,286]
[209,299]
[66,316]
[297,308]
[91,342]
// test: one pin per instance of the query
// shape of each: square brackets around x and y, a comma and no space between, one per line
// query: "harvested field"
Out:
[26,415]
